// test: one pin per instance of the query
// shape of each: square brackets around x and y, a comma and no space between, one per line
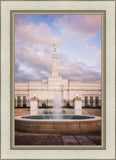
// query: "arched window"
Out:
[86,101]
[19,101]
[24,101]
[91,101]
[96,101]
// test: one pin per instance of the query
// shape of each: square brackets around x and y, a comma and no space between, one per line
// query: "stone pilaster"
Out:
[27,99]
[78,106]
[93,101]
[21,101]
[34,106]
[89,100]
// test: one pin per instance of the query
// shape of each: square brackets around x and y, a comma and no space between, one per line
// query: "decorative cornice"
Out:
[57,90]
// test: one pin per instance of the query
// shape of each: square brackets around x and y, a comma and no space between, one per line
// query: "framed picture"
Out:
[57,79]
[64,101]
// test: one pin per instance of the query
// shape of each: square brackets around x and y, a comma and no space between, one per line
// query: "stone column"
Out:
[28,101]
[34,106]
[21,101]
[94,102]
[78,106]
[88,100]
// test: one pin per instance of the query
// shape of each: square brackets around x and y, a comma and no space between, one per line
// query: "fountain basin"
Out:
[70,124]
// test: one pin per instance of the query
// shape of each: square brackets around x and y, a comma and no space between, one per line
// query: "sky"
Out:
[78,47]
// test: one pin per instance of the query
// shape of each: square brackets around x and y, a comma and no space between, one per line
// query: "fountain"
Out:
[57,108]
[58,123]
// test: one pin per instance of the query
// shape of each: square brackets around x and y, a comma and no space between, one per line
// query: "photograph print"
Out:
[58,79]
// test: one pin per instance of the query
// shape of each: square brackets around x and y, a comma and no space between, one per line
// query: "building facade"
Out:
[90,92]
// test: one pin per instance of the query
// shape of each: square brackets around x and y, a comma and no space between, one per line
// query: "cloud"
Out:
[68,29]
[35,63]
[33,55]
[76,70]
[25,73]
[96,51]
[79,26]
[33,52]
[40,33]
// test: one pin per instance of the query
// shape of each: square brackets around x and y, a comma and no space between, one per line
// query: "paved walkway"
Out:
[22,138]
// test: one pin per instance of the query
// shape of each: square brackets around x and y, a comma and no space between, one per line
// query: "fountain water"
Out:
[69,124]
[57,110]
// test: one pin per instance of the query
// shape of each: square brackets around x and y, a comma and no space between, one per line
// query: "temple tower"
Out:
[54,80]
[55,63]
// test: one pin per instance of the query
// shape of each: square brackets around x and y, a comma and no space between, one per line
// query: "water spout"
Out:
[57,108]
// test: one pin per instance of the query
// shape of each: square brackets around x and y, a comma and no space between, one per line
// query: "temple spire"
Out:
[54,65]
[54,47]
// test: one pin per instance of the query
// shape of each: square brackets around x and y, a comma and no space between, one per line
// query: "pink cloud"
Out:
[40,33]
[93,23]
[33,55]
[36,55]
[81,26]
[36,64]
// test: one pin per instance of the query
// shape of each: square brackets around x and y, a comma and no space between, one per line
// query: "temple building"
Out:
[89,92]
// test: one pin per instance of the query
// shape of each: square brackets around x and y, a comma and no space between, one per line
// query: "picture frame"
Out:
[12,110]
[8,150]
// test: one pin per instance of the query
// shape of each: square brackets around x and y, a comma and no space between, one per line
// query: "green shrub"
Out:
[43,105]
[50,112]
[45,112]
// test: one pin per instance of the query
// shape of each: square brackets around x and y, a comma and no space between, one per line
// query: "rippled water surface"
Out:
[64,117]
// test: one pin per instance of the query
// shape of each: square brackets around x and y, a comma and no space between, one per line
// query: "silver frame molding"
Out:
[103,69]
[6,152]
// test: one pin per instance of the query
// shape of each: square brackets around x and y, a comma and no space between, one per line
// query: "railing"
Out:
[89,103]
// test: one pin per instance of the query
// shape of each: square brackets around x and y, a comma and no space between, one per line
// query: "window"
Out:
[86,101]
[24,101]
[91,101]
[19,101]
[96,101]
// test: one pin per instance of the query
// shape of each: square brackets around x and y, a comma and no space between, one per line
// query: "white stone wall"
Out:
[45,89]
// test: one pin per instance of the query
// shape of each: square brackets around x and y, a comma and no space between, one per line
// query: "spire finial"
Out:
[54,47]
